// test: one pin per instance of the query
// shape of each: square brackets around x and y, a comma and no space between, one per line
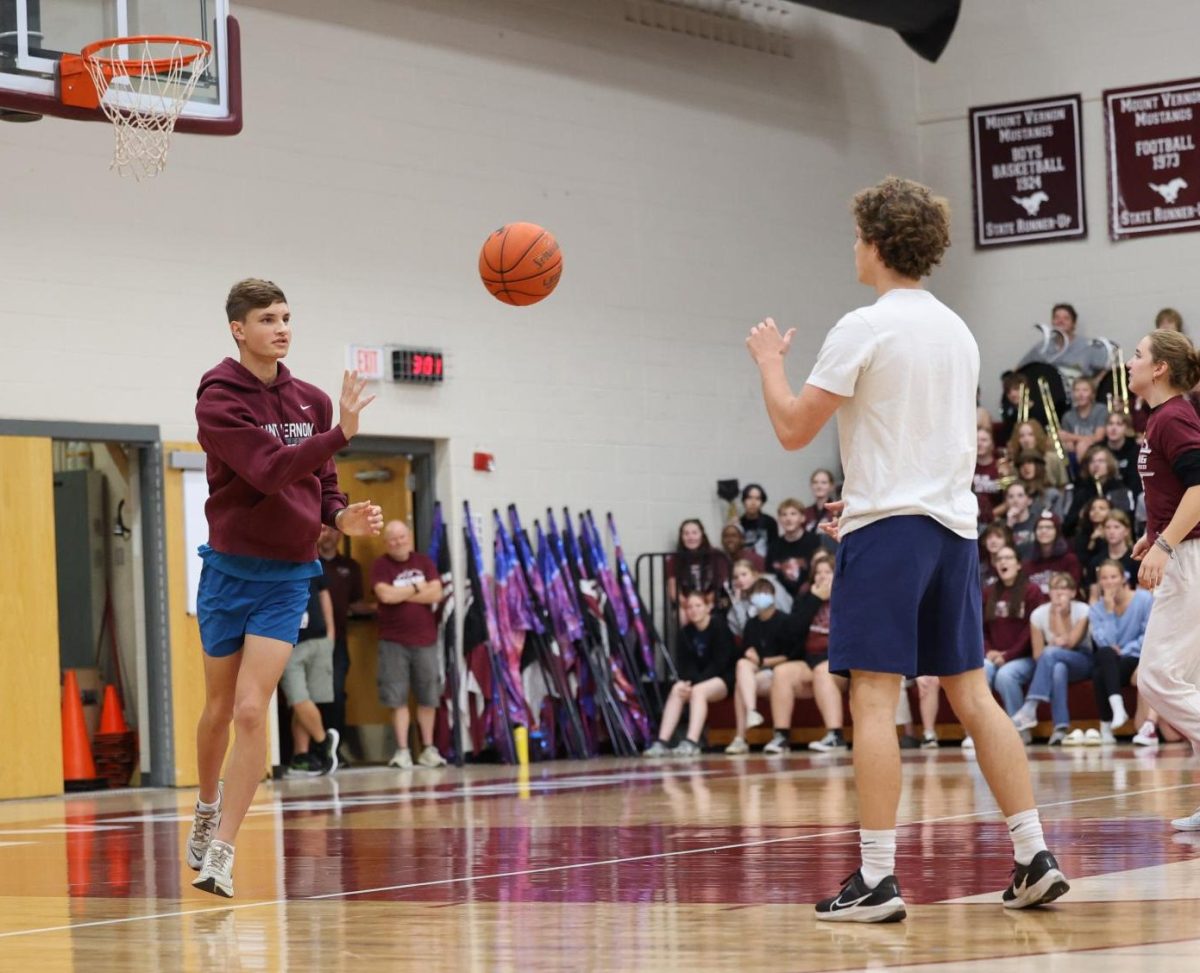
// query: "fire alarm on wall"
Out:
[485,462]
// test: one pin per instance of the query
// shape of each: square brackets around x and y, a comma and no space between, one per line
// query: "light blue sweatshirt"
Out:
[1123,631]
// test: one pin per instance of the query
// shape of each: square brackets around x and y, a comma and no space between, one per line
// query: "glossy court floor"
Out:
[704,865]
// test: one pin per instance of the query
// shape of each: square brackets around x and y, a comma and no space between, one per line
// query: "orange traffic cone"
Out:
[79,770]
[112,719]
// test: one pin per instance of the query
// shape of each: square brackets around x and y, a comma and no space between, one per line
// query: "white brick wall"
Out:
[1004,52]
[694,188]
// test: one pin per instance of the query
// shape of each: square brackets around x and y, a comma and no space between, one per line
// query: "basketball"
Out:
[520,263]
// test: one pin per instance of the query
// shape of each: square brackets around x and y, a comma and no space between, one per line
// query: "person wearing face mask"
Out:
[790,556]
[760,528]
[808,674]
[704,655]
[768,641]
[1063,654]
[740,609]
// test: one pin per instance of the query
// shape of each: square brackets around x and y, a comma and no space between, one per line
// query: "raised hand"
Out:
[833,527]
[361,519]
[351,403]
[765,343]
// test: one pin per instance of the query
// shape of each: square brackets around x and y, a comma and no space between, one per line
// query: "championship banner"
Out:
[1027,169]
[1153,167]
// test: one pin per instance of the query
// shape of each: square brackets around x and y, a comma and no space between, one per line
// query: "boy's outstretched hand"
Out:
[352,402]
[360,519]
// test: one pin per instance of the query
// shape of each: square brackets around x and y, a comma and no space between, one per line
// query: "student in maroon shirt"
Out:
[408,587]
[1049,553]
[1007,642]
[1164,367]
[986,484]
[272,483]
[343,574]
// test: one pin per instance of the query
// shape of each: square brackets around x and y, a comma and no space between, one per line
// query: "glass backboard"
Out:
[35,34]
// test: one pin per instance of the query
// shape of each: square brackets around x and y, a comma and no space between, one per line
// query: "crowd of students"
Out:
[1058,518]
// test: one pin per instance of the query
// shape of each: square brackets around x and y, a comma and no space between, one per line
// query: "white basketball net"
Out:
[144,104]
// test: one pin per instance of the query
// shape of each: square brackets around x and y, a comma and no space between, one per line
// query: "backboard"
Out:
[34,35]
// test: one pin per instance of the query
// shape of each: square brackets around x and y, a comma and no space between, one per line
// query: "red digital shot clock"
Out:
[421,366]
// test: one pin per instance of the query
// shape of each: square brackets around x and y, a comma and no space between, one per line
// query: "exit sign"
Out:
[367,360]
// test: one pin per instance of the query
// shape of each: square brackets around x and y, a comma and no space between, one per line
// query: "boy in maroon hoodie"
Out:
[272,483]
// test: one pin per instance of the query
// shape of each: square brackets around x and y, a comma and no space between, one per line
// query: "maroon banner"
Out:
[1027,167]
[1151,133]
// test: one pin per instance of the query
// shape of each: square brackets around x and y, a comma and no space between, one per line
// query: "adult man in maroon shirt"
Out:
[408,588]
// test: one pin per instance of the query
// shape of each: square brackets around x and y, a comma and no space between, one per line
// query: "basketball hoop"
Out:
[141,93]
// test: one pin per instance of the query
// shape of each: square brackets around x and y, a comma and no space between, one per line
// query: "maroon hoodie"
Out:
[271,477]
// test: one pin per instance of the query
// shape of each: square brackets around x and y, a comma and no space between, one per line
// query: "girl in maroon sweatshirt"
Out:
[272,484]
[1007,643]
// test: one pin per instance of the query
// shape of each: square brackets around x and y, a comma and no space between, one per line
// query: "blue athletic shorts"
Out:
[906,600]
[231,608]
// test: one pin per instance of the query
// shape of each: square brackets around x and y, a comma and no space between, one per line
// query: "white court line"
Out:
[568,867]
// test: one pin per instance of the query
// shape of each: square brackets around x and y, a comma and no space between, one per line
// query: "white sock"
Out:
[208,808]
[1025,829]
[878,855]
[1118,709]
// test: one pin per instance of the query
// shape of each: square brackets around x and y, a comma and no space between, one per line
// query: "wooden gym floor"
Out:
[704,865]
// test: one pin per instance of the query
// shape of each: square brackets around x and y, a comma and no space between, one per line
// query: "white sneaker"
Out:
[204,826]
[929,741]
[1147,736]
[1024,719]
[754,718]
[737,746]
[657,749]
[430,757]
[401,759]
[1190,823]
[831,742]
[779,744]
[216,874]
[1092,737]
[1074,739]
[968,743]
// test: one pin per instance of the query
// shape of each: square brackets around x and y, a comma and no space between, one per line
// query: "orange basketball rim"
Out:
[77,87]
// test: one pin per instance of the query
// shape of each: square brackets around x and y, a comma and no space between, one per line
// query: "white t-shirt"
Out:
[910,367]
[1039,618]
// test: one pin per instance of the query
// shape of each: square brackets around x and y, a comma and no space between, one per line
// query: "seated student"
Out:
[822,486]
[928,698]
[740,608]
[1063,653]
[695,566]
[308,681]
[760,528]
[704,657]
[1007,645]
[1118,619]
[986,484]
[1082,426]
[1019,515]
[797,679]
[1049,554]
[1031,471]
[769,640]
[733,543]
[1118,439]
[994,537]
[1118,546]
[1013,385]
[790,557]
[1089,534]
[1099,477]
[1030,436]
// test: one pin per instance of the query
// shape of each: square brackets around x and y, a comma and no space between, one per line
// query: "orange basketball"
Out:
[520,263]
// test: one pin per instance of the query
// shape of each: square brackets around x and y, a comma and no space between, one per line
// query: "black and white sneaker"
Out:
[831,742]
[1038,883]
[857,903]
[327,751]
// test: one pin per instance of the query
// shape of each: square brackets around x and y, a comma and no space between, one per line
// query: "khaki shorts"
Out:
[402,668]
[309,672]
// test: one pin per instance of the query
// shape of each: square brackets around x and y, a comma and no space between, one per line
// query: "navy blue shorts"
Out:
[231,608]
[906,600]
